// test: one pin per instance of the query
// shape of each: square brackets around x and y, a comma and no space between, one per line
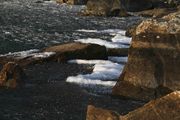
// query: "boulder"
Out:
[12,75]
[76,50]
[94,113]
[165,108]
[153,63]
[105,8]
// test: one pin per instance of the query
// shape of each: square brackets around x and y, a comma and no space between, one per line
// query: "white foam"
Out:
[29,53]
[79,61]
[110,31]
[102,43]
[102,78]
[43,54]
[119,38]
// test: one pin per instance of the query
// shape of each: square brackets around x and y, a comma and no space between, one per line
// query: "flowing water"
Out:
[34,24]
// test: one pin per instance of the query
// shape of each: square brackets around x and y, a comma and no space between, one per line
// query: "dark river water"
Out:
[28,24]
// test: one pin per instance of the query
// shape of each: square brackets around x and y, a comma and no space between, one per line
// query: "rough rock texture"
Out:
[105,8]
[153,60]
[165,108]
[12,75]
[94,113]
[77,51]
[72,2]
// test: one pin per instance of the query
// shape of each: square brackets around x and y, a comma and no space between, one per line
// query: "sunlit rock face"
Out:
[153,61]
[165,108]
[94,113]
[105,8]
[12,75]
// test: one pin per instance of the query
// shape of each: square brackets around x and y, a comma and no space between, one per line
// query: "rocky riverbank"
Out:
[72,61]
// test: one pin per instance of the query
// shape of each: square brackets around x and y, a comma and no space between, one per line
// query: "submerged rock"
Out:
[12,75]
[105,8]
[153,60]
[77,51]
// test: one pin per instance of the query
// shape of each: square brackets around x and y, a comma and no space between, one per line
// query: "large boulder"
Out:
[153,63]
[94,113]
[165,108]
[105,8]
[77,50]
[12,75]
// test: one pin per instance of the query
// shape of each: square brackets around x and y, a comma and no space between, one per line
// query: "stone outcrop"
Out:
[12,75]
[105,8]
[165,108]
[94,113]
[58,53]
[153,60]
[77,51]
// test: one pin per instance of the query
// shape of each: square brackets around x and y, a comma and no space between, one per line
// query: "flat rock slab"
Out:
[77,51]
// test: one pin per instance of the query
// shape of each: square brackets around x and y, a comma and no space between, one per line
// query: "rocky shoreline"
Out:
[34,83]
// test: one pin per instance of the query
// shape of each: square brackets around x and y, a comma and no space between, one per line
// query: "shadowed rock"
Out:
[77,51]
[105,8]
[12,76]
[153,60]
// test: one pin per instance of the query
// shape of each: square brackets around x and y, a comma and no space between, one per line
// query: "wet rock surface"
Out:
[12,76]
[70,51]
